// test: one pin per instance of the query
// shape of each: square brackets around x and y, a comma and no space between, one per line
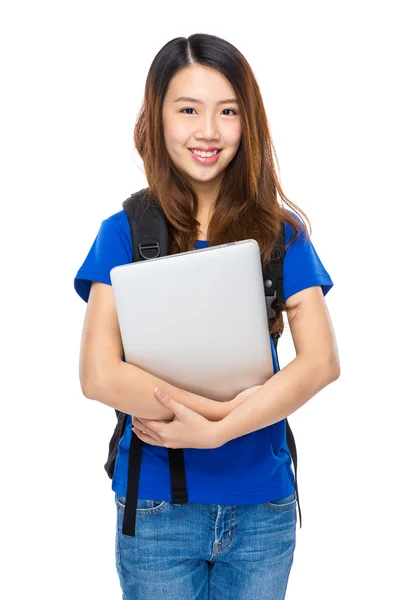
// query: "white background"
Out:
[335,79]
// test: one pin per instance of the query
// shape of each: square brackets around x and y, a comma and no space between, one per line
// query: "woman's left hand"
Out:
[187,430]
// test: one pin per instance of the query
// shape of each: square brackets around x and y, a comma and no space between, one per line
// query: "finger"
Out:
[179,410]
[145,429]
[148,439]
[152,425]
[161,395]
[144,425]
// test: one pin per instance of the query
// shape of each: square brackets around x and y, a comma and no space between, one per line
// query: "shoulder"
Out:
[302,236]
[302,267]
[117,222]
[115,232]
[111,247]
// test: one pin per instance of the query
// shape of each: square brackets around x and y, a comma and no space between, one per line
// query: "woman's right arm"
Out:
[105,377]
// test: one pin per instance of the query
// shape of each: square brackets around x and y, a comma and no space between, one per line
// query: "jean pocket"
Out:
[282,504]
[143,506]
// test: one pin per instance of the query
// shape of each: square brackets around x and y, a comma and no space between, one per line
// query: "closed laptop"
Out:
[197,319]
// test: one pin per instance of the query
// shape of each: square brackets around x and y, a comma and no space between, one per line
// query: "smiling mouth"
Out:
[192,150]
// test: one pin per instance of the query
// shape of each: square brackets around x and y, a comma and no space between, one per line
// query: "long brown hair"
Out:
[247,205]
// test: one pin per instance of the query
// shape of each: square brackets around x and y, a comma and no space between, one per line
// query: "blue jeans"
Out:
[206,551]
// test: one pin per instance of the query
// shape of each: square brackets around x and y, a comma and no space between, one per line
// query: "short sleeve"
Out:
[112,247]
[302,267]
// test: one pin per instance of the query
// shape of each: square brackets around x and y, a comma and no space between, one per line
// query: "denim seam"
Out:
[121,574]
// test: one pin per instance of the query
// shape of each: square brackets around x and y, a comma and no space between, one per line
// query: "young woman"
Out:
[204,139]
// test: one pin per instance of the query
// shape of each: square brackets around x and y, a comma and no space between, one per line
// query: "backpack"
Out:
[149,235]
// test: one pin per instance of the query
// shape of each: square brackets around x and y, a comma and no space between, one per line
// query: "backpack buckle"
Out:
[269,299]
[148,248]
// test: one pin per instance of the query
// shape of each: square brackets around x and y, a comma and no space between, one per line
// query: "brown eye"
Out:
[230,109]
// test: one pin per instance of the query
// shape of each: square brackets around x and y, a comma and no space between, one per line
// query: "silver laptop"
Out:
[197,319]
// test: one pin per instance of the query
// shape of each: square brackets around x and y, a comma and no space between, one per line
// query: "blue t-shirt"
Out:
[251,469]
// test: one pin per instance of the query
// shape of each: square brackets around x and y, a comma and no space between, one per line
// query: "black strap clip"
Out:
[270,295]
[271,313]
[149,248]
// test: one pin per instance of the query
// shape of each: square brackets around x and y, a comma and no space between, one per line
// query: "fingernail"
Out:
[159,392]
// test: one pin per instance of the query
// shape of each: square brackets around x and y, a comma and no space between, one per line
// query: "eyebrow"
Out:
[186,99]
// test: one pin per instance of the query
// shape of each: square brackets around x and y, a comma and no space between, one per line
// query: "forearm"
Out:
[130,389]
[285,392]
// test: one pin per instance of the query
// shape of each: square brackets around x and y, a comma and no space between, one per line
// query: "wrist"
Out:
[220,433]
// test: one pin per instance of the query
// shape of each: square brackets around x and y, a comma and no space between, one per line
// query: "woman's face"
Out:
[212,121]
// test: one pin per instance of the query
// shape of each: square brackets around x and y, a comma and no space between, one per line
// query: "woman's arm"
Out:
[315,366]
[131,390]
[106,378]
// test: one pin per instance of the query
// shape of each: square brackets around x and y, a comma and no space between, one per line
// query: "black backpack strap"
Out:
[149,233]
[178,476]
[148,227]
[114,443]
[133,477]
[292,447]
[273,275]
[273,282]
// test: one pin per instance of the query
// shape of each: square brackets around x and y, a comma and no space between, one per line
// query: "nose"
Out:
[207,129]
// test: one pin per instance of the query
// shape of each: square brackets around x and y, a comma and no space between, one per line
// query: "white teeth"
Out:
[205,154]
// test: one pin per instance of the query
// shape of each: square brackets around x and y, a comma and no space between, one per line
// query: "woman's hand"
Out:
[187,430]
[225,409]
